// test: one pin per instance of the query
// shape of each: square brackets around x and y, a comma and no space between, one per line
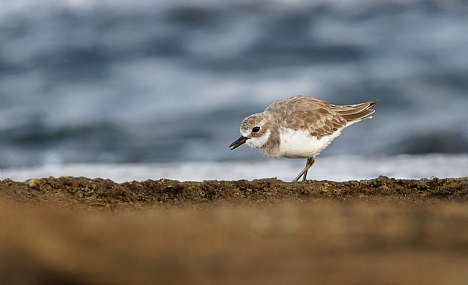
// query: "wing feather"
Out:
[305,112]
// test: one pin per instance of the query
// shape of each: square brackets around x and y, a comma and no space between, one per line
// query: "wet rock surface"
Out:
[75,230]
[100,193]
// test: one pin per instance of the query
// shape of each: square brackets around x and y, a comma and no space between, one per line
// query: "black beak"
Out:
[238,142]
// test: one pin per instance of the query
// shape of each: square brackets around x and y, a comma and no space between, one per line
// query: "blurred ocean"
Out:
[167,82]
[335,168]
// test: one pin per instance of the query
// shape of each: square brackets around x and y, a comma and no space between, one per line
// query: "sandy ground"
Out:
[72,230]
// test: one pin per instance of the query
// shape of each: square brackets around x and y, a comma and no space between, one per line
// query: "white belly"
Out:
[300,144]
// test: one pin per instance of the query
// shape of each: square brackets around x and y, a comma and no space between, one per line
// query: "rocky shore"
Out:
[75,230]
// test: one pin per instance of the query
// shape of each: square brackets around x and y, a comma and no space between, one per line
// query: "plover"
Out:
[299,127]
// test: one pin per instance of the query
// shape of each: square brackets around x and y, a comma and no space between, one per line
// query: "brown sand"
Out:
[93,231]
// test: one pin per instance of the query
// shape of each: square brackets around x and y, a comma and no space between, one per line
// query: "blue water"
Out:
[170,81]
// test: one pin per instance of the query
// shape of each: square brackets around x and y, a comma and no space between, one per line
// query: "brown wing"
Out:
[305,112]
[355,112]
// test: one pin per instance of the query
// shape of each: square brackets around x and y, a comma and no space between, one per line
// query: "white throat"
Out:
[258,142]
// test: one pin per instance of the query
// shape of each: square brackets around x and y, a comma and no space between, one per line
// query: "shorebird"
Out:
[299,127]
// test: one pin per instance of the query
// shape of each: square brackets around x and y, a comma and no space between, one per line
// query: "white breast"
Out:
[300,144]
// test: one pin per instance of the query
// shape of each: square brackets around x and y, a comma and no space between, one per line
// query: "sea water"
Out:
[167,83]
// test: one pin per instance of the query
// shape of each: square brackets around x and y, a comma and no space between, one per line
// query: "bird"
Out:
[299,127]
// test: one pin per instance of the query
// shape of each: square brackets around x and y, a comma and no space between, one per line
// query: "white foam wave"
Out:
[336,168]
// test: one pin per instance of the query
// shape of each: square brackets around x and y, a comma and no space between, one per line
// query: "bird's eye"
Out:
[256,129]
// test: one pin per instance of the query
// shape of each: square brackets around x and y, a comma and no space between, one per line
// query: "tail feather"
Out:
[356,112]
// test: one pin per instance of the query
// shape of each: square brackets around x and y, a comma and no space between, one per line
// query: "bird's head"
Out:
[255,131]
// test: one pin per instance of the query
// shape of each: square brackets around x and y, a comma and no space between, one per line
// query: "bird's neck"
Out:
[272,146]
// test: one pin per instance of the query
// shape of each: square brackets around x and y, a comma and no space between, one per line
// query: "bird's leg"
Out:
[309,163]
